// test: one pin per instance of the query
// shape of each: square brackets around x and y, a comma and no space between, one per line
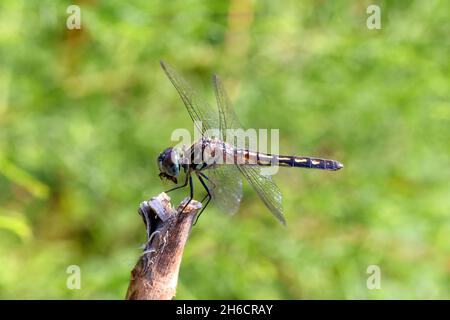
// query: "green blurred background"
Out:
[84,114]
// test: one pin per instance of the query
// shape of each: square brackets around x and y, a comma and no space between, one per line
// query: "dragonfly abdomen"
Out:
[309,162]
[214,152]
[264,159]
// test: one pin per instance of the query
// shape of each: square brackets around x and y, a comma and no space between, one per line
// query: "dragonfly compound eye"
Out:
[169,162]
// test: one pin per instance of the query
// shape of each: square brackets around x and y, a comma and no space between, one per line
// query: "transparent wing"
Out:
[266,189]
[227,116]
[198,109]
[226,187]
[264,186]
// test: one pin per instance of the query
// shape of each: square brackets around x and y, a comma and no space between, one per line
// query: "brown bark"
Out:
[155,275]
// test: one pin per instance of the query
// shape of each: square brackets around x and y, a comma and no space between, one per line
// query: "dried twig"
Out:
[155,275]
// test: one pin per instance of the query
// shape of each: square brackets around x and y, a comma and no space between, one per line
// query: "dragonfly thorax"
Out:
[169,163]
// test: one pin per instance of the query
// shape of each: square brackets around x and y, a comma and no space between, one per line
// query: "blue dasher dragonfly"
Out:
[220,170]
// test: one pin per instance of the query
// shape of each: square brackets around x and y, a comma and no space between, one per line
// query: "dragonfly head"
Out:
[169,163]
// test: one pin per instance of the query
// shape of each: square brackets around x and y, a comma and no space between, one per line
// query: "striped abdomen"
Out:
[263,159]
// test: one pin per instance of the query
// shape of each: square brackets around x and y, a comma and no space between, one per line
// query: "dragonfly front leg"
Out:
[182,186]
[208,195]
[191,192]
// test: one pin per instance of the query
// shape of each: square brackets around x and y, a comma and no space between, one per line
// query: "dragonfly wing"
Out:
[264,186]
[227,116]
[226,187]
[266,189]
[198,109]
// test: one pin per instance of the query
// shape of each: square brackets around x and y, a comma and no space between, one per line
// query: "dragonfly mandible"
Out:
[222,179]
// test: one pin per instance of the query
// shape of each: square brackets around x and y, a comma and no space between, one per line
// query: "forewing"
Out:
[226,187]
[198,109]
[266,189]
[227,116]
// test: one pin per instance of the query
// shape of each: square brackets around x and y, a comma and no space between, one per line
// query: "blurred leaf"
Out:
[23,179]
[16,223]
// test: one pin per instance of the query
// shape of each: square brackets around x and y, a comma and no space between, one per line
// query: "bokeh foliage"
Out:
[84,114]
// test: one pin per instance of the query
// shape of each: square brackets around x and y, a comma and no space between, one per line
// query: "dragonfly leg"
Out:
[182,186]
[208,195]
[191,192]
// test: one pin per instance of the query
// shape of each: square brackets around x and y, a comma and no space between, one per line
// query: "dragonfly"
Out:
[222,179]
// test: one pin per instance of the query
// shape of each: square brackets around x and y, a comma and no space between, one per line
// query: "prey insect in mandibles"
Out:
[218,163]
